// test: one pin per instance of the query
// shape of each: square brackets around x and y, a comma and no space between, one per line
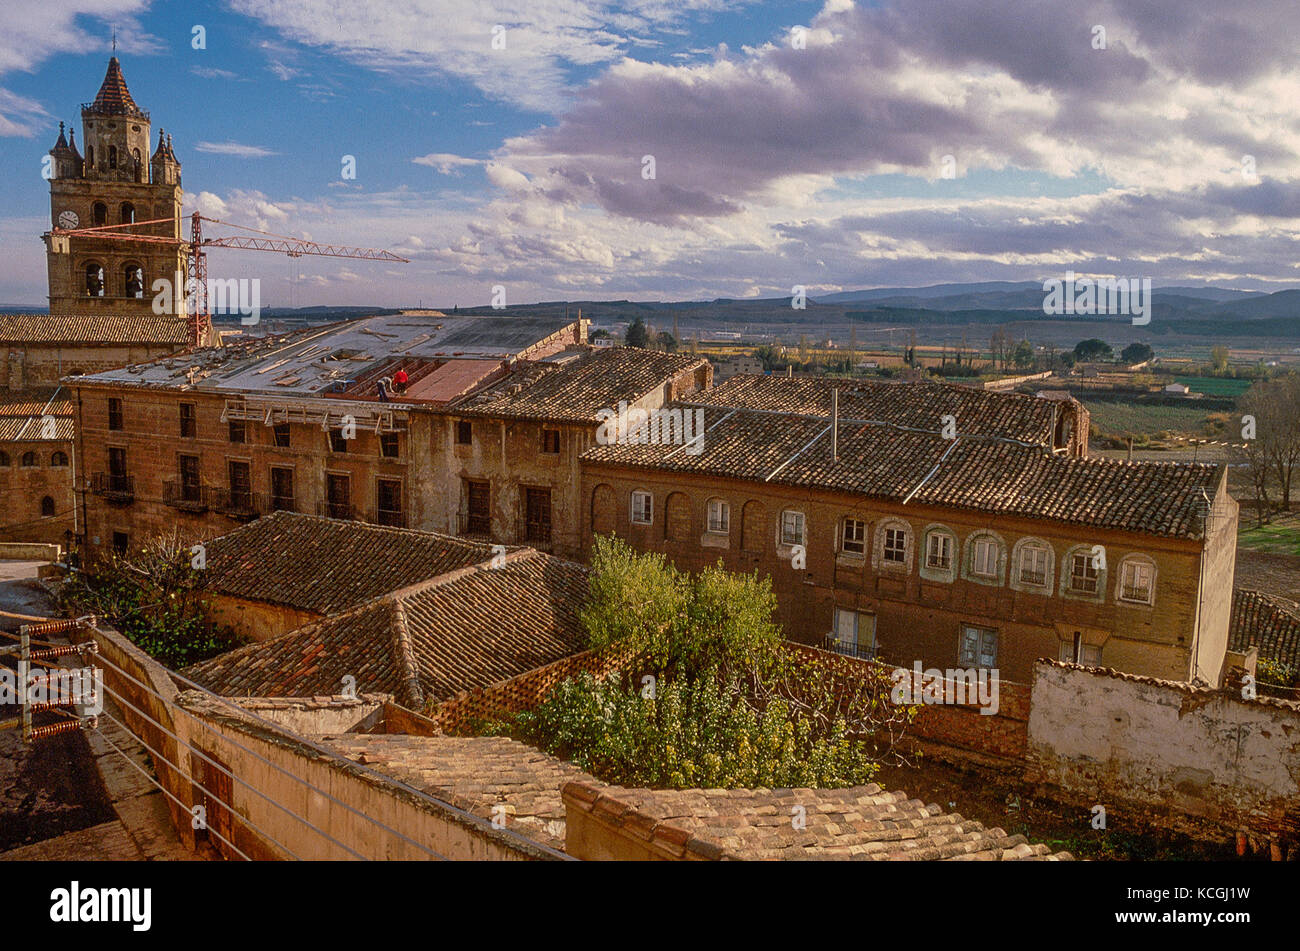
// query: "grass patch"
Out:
[1216,386]
[1282,537]
[1124,419]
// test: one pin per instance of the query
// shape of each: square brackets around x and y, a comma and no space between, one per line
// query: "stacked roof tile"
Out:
[92,328]
[982,473]
[328,565]
[576,390]
[23,417]
[1270,623]
[470,627]
[113,98]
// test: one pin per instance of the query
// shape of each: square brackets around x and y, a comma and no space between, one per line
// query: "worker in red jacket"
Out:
[399,381]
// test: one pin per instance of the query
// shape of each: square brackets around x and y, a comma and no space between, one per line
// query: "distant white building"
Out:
[724,367]
[1178,389]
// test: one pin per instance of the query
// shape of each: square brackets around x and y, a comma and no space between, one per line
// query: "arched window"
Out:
[894,548]
[717,519]
[112,156]
[29,460]
[139,167]
[58,459]
[753,526]
[4,460]
[90,156]
[1084,573]
[939,555]
[643,507]
[792,528]
[128,213]
[1137,580]
[47,507]
[1032,566]
[602,510]
[94,280]
[100,213]
[133,280]
[985,558]
[677,517]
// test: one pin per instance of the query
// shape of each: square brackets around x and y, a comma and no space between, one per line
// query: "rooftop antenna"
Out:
[115,39]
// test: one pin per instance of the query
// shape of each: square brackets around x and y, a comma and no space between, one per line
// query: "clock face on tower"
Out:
[68,219]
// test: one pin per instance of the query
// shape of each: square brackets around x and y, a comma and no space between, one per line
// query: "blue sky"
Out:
[896,143]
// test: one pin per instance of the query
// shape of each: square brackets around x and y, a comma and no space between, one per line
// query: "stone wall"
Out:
[1163,745]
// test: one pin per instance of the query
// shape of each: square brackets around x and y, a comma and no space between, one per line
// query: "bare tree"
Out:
[1271,436]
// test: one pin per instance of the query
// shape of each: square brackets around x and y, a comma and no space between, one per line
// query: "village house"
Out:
[958,527]
[36,472]
[482,441]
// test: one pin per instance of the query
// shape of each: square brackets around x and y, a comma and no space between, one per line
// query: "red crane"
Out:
[200,321]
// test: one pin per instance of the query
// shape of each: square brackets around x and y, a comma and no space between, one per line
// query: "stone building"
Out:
[483,442]
[118,185]
[36,473]
[40,349]
[954,526]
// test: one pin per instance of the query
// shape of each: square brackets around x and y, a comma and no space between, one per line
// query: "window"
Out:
[1136,581]
[537,516]
[100,213]
[29,460]
[719,517]
[1033,565]
[238,430]
[337,442]
[112,156]
[979,647]
[47,507]
[282,489]
[464,432]
[388,445]
[388,503]
[551,441]
[189,475]
[1075,651]
[281,432]
[792,528]
[121,542]
[478,497]
[938,551]
[241,486]
[338,496]
[114,413]
[128,209]
[189,424]
[984,558]
[895,550]
[642,508]
[117,462]
[4,459]
[94,279]
[58,460]
[133,280]
[854,633]
[853,536]
[1083,572]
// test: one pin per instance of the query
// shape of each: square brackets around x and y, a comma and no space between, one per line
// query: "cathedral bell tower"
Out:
[117,184]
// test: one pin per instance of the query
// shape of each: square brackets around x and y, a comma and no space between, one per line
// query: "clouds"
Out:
[234,149]
[445,162]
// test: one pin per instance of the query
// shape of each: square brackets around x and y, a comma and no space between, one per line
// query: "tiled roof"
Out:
[328,565]
[113,98]
[473,773]
[1270,623]
[861,822]
[468,628]
[92,328]
[918,405]
[22,416]
[575,390]
[983,474]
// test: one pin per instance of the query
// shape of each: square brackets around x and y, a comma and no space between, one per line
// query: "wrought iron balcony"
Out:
[186,496]
[849,648]
[115,487]
[336,510]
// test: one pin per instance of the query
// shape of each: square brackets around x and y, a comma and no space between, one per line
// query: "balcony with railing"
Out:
[336,510]
[474,524]
[850,648]
[393,518]
[238,504]
[113,487]
[186,496]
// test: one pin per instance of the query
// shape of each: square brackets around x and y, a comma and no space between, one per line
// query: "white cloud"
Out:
[234,149]
[446,162]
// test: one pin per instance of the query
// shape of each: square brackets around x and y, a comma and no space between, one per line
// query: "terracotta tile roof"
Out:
[471,627]
[473,773]
[575,390]
[113,98]
[22,416]
[1270,623]
[861,822]
[91,328]
[918,405]
[982,474]
[328,565]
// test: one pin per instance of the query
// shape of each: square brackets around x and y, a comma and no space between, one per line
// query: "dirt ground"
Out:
[1269,573]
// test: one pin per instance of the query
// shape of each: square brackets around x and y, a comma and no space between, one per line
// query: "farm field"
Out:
[1215,386]
[1281,537]
[1117,419]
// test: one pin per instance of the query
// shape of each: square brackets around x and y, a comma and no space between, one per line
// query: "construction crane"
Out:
[200,320]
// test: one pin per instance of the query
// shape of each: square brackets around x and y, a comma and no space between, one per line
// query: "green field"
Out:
[1278,537]
[1116,419]
[1215,386]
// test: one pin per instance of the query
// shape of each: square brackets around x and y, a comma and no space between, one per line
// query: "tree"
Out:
[1272,409]
[637,335]
[710,695]
[1023,355]
[1136,353]
[1092,350]
[666,342]
[599,334]
[1219,358]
